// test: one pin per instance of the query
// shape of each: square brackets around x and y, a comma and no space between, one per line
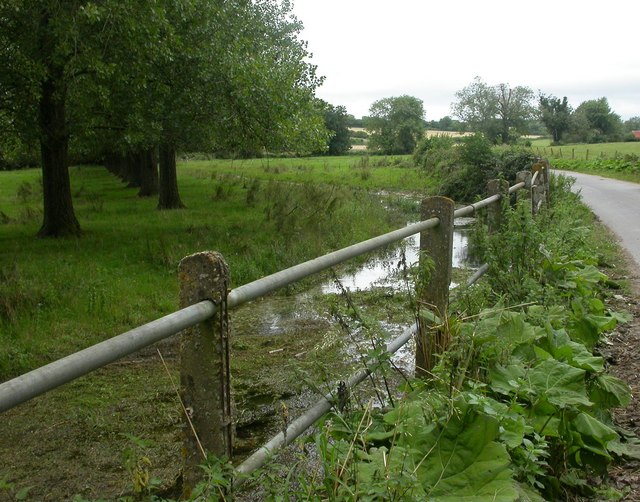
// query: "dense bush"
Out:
[465,169]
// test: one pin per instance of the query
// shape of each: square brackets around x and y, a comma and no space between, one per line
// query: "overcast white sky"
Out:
[372,49]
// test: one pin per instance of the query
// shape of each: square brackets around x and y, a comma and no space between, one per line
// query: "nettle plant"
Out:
[519,407]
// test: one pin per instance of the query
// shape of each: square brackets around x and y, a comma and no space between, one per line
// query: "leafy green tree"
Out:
[243,89]
[633,124]
[354,122]
[127,77]
[395,124]
[228,77]
[445,124]
[499,111]
[335,120]
[555,114]
[55,54]
[594,122]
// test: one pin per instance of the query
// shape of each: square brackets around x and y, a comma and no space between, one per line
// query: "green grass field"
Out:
[368,172]
[584,151]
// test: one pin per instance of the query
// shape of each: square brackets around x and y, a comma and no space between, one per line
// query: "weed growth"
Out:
[518,408]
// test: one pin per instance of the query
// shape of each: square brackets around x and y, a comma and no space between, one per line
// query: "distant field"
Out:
[585,151]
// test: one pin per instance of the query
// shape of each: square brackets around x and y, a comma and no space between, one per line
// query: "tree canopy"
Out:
[593,121]
[499,111]
[555,114]
[395,124]
[336,121]
[121,76]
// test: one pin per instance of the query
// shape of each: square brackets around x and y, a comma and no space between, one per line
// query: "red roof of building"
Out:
[636,134]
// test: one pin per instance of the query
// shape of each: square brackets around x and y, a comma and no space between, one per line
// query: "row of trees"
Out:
[501,112]
[134,81]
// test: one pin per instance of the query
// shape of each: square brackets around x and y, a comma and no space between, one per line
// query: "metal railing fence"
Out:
[50,376]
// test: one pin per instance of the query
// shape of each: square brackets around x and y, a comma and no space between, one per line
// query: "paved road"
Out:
[616,203]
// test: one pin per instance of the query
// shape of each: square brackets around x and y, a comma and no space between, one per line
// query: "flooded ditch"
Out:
[287,349]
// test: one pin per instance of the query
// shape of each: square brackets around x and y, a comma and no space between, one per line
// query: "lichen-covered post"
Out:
[539,191]
[204,366]
[494,211]
[433,294]
[524,177]
[546,176]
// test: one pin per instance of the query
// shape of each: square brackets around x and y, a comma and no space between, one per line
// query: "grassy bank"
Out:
[368,172]
[60,295]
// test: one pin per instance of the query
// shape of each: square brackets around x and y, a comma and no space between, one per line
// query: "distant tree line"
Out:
[503,113]
[500,112]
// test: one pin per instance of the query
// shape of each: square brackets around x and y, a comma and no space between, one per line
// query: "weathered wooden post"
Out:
[435,243]
[204,366]
[494,211]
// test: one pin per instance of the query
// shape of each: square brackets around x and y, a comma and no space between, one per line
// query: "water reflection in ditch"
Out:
[379,271]
[279,320]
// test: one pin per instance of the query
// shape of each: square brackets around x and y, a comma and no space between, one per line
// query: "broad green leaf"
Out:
[609,391]
[463,462]
[528,494]
[559,383]
[592,437]
[580,357]
[512,430]
[515,330]
[588,274]
[564,349]
[547,425]
[629,449]
[587,425]
[507,379]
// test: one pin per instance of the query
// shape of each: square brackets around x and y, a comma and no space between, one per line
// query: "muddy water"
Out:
[290,327]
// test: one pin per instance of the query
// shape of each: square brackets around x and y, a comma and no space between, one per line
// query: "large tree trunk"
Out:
[169,196]
[59,218]
[148,173]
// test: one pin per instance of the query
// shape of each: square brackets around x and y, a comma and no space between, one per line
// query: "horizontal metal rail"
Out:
[313,414]
[478,273]
[272,282]
[52,375]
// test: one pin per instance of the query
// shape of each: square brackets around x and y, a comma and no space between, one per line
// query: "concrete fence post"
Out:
[433,295]
[524,177]
[494,211]
[540,191]
[204,366]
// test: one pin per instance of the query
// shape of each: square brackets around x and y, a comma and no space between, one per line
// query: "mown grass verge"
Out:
[59,296]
